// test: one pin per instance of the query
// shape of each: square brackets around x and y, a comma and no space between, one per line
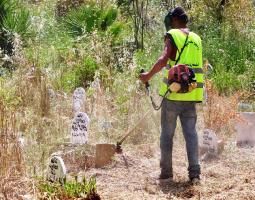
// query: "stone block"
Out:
[245,129]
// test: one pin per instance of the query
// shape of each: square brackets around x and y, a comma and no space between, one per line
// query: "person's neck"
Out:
[181,26]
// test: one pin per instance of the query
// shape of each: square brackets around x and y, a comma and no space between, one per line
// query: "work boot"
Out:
[164,179]
[195,181]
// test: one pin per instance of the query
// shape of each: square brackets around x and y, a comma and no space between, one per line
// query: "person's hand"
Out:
[145,77]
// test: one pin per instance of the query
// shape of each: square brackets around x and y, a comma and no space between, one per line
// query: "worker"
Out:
[181,47]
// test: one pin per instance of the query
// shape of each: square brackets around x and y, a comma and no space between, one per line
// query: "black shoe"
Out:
[195,181]
[163,179]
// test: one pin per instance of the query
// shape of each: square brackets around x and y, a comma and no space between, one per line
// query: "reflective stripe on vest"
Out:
[191,56]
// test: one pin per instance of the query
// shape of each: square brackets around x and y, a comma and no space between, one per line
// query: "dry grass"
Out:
[230,176]
[45,123]
[11,155]
[220,111]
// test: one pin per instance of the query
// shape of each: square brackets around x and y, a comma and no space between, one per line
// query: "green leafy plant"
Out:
[14,18]
[17,21]
[81,20]
[70,189]
[86,18]
[107,18]
[79,76]
[228,41]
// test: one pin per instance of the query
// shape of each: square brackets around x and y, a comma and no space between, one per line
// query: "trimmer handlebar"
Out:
[147,85]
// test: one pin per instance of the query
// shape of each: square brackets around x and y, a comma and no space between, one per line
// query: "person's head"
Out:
[176,18]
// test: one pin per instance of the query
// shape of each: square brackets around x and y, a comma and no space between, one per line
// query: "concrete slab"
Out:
[245,129]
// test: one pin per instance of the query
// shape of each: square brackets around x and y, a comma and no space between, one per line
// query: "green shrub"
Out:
[226,82]
[14,18]
[107,18]
[116,28]
[87,18]
[81,75]
[17,21]
[228,41]
[84,73]
[81,20]
[70,189]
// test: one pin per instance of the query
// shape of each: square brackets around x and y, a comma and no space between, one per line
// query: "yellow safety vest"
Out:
[191,56]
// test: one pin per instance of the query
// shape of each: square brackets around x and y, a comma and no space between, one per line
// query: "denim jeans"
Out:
[188,117]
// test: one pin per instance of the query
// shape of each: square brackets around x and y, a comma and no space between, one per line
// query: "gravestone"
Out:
[78,99]
[96,83]
[245,129]
[210,146]
[56,169]
[79,129]
[244,107]
[105,126]
[209,142]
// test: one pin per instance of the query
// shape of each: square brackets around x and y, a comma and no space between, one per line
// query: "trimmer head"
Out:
[118,148]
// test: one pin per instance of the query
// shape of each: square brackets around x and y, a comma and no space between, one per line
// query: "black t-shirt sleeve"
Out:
[170,37]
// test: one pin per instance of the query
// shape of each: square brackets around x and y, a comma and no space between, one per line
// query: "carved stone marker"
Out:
[79,129]
[210,146]
[56,169]
[209,141]
[246,129]
[78,99]
[96,83]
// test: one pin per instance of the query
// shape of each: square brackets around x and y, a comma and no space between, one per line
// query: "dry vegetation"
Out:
[230,176]
[36,109]
[220,111]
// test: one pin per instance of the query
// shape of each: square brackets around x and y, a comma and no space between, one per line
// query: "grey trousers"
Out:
[187,113]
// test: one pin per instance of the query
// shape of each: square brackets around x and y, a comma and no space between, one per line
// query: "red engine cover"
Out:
[176,71]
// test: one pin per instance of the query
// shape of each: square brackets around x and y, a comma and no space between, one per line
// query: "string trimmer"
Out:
[105,152]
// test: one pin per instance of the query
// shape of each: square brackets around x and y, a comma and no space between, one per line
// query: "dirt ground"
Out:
[132,176]
[230,176]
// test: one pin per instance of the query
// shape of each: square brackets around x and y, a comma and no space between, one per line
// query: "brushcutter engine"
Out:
[181,79]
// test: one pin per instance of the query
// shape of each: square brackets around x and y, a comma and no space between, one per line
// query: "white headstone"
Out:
[105,126]
[246,128]
[79,130]
[78,99]
[210,141]
[56,169]
[96,83]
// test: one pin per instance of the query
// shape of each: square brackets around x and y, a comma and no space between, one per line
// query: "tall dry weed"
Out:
[11,155]
[220,111]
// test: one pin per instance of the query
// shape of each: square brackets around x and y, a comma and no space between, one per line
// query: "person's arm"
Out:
[161,62]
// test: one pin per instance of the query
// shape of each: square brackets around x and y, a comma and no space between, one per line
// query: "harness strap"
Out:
[185,44]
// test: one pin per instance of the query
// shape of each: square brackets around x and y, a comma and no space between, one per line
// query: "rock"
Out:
[27,197]
[51,93]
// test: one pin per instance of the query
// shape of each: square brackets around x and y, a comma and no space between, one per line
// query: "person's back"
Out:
[185,48]
[192,56]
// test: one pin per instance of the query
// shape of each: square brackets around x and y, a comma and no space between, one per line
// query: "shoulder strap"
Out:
[185,44]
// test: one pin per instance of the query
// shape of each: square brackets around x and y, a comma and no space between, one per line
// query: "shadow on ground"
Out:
[181,189]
